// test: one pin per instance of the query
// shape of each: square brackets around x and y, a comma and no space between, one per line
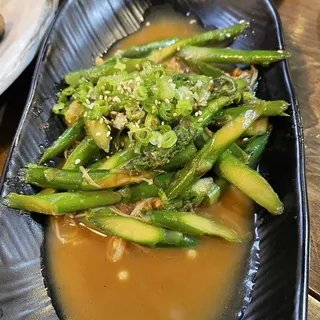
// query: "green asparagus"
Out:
[137,231]
[217,55]
[191,224]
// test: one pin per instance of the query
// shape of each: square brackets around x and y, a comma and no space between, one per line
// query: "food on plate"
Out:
[140,133]
[148,187]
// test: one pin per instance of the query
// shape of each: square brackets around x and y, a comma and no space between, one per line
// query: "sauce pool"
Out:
[177,284]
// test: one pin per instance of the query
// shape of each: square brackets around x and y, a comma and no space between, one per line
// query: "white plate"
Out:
[26,23]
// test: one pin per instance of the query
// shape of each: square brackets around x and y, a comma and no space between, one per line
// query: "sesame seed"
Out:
[87,101]
[175,114]
[105,98]
[162,123]
[280,51]
[196,114]
[200,120]
[138,79]
[123,275]
[85,114]
[114,112]
[108,134]
[200,112]
[192,254]
[242,21]
[101,120]
[116,99]
[98,134]
[148,24]
[111,139]
[101,97]
[178,48]
[192,21]
[77,161]
[137,67]
[228,35]
[166,101]
[122,144]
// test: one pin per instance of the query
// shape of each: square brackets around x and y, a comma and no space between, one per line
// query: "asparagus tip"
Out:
[279,210]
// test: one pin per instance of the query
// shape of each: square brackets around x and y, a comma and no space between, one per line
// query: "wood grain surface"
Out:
[301,23]
[314,309]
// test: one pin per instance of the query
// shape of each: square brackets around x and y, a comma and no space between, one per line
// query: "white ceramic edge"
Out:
[25,28]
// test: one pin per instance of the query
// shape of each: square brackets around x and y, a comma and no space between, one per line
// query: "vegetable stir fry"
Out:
[146,144]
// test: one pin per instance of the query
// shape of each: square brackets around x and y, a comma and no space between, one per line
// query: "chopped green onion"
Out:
[166,111]
[183,108]
[168,139]
[140,93]
[143,135]
[166,90]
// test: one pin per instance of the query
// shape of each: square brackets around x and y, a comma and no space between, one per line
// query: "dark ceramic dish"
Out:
[86,28]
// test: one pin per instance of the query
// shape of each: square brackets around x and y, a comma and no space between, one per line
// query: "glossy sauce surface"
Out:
[177,284]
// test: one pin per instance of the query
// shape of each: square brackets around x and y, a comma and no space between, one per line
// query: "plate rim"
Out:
[303,258]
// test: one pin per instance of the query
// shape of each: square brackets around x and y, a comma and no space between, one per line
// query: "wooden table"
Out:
[301,22]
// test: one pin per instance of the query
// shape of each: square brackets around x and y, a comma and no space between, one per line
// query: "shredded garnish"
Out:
[115,248]
[61,238]
[88,179]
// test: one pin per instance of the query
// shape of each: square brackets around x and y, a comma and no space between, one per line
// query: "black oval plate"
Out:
[83,30]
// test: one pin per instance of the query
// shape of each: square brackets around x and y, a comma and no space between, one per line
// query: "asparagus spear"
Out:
[258,128]
[215,192]
[218,35]
[239,153]
[273,108]
[216,145]
[118,159]
[249,182]
[108,68]
[256,146]
[204,68]
[134,230]
[143,50]
[253,149]
[75,180]
[180,159]
[73,133]
[191,224]
[217,55]
[99,133]
[82,154]
[61,203]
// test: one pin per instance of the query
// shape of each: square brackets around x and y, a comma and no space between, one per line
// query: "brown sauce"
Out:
[176,284]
